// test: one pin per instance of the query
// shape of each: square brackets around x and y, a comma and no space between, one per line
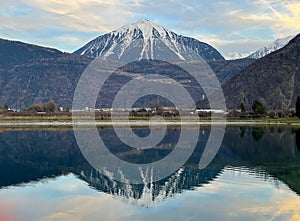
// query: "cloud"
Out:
[69,198]
[284,17]
[256,22]
[287,209]
[291,19]
[85,15]
[233,43]
[52,22]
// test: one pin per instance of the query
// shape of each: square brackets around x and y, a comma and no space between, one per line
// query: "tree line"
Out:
[49,107]
[258,109]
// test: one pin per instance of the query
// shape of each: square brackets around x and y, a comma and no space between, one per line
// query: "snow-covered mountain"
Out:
[274,46]
[147,40]
[234,56]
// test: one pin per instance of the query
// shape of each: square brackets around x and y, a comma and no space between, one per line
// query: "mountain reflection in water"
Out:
[254,176]
[268,153]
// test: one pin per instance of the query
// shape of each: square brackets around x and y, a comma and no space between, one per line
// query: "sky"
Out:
[232,25]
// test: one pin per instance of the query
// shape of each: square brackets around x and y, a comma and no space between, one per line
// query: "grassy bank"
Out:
[68,118]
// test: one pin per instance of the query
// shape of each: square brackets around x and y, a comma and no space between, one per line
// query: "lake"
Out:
[254,176]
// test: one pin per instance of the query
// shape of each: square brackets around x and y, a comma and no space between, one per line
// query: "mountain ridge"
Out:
[273,79]
[274,46]
[20,52]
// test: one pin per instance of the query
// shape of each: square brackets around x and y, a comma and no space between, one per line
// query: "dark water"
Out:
[254,176]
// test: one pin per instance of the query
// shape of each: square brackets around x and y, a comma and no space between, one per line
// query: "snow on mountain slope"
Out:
[234,56]
[147,40]
[274,46]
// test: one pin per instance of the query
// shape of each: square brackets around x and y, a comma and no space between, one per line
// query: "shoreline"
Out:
[66,121]
[142,123]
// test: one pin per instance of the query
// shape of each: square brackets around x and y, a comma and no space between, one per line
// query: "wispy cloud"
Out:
[52,22]
[270,7]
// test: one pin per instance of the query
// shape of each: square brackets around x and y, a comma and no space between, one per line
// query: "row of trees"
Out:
[260,109]
[49,107]
[257,107]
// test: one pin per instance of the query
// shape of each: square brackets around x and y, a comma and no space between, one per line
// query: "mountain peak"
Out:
[147,28]
[147,40]
[144,21]
[233,55]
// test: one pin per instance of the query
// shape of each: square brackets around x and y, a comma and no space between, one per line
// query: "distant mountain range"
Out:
[32,74]
[274,46]
[233,55]
[147,40]
[273,79]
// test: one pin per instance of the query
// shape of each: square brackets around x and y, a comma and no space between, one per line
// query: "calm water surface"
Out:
[255,176]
